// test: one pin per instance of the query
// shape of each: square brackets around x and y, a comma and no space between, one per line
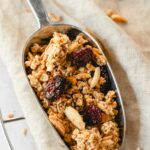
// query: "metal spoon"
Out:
[46,29]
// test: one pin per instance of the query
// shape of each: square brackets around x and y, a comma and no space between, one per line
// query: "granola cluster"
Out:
[69,79]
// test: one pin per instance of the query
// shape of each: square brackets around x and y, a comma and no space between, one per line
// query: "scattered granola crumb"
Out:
[54,18]
[138,148]
[115,16]
[24,131]
[109,12]
[118,18]
[10,116]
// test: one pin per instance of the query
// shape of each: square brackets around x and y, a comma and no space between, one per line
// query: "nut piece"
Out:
[24,131]
[74,117]
[118,18]
[10,116]
[54,18]
[109,12]
[95,77]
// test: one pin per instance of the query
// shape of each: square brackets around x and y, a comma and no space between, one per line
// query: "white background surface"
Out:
[9,104]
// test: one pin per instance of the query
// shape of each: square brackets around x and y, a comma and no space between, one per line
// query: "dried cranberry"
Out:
[107,85]
[91,115]
[72,33]
[28,70]
[56,87]
[80,57]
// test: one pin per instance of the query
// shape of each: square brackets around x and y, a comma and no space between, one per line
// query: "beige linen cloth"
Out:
[130,61]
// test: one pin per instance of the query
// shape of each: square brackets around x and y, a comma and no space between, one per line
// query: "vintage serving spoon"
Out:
[46,29]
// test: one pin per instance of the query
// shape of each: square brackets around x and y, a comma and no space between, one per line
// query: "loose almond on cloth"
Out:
[129,64]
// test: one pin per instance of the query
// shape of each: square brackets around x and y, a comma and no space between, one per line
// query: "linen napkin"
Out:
[129,64]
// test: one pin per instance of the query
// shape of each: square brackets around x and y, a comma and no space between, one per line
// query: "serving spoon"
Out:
[46,29]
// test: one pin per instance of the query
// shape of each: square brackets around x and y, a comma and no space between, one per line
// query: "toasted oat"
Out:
[10,115]
[118,18]
[73,80]
[54,18]
[102,80]
[44,77]
[83,76]
[100,59]
[24,131]
[105,117]
[88,139]
[108,109]
[74,117]
[58,124]
[77,43]
[78,98]
[35,48]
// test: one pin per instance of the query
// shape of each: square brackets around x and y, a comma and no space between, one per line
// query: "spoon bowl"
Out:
[46,30]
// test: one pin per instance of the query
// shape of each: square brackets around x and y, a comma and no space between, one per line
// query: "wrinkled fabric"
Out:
[128,56]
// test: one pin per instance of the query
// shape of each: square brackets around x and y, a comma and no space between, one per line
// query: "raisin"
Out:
[28,70]
[45,40]
[80,57]
[56,87]
[91,115]
[107,85]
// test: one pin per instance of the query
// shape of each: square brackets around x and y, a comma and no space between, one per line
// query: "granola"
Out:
[116,17]
[67,76]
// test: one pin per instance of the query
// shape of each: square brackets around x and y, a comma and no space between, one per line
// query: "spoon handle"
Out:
[39,12]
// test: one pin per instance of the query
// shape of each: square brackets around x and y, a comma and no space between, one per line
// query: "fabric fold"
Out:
[129,65]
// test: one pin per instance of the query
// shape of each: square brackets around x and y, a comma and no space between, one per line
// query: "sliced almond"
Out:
[76,119]
[95,77]
[24,131]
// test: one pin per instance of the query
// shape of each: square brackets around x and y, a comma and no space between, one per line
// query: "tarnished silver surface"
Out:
[46,29]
